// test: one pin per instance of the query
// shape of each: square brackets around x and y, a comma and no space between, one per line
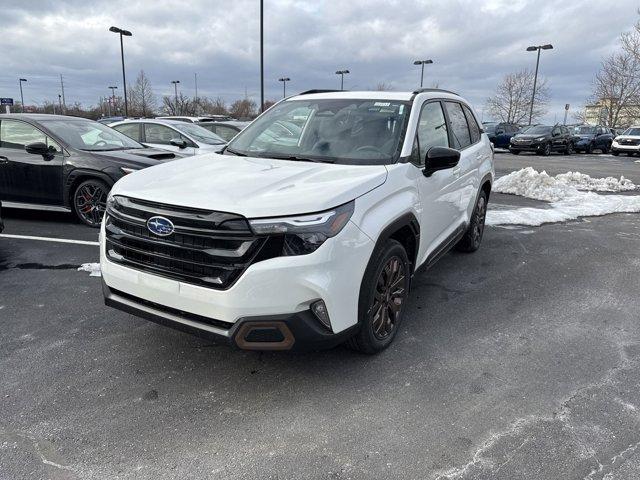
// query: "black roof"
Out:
[40,116]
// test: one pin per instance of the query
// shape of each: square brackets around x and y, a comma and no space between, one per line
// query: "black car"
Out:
[62,163]
[589,138]
[500,133]
[1,223]
[543,139]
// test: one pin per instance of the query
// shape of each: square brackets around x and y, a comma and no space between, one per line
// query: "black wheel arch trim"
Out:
[406,220]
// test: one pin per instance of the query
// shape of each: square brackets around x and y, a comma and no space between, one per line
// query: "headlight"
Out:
[303,234]
[541,139]
[127,170]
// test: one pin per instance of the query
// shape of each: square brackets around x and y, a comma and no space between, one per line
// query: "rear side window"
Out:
[474,129]
[15,134]
[432,131]
[131,130]
[458,123]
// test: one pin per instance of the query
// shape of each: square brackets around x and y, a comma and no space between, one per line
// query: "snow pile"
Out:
[92,268]
[567,201]
[585,182]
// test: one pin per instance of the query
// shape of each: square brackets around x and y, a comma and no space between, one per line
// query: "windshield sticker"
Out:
[382,104]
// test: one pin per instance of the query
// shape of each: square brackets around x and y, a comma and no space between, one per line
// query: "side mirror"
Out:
[39,148]
[178,142]
[440,158]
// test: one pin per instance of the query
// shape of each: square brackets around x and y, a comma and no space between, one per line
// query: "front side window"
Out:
[335,130]
[474,129]
[459,128]
[432,131]
[90,136]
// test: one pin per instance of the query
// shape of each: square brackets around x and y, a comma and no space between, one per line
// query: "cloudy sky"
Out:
[473,44]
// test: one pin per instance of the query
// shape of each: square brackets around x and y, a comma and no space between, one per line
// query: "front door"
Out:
[439,195]
[26,177]
[160,136]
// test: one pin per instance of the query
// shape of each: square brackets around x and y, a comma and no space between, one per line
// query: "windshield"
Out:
[537,130]
[198,133]
[586,130]
[632,131]
[90,136]
[345,131]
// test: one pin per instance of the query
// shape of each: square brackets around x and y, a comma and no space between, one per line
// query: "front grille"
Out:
[206,248]
[629,141]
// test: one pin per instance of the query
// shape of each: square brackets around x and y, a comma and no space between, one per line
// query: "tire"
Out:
[385,283]
[89,201]
[515,152]
[615,154]
[569,150]
[547,150]
[472,238]
[605,149]
[589,149]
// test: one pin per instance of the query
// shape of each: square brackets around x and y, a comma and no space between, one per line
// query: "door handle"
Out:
[4,160]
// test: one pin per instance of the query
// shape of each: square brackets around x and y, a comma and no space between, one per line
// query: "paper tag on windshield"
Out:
[382,104]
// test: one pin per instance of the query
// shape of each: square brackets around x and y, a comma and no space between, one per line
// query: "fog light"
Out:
[319,309]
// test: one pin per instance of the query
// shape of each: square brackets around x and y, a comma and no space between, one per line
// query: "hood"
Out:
[206,148]
[627,137]
[529,136]
[253,187]
[143,157]
[585,136]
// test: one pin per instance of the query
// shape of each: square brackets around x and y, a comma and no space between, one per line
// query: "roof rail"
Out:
[424,90]
[318,90]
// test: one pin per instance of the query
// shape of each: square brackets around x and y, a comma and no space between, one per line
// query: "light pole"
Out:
[422,63]
[261,55]
[342,73]
[175,89]
[113,100]
[126,33]
[284,81]
[533,48]
[22,96]
[60,101]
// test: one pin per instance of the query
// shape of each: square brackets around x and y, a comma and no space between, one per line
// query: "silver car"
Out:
[176,136]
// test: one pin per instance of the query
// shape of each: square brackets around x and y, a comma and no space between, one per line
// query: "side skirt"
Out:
[33,206]
[443,248]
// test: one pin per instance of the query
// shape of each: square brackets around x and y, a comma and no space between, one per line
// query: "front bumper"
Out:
[280,289]
[616,147]
[527,147]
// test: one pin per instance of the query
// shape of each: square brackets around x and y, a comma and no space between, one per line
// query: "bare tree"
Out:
[512,100]
[383,86]
[245,108]
[142,99]
[183,106]
[217,106]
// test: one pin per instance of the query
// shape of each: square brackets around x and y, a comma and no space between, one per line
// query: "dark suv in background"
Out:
[543,139]
[61,163]
[589,138]
[500,133]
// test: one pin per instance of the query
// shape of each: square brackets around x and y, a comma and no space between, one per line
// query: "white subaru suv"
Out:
[306,230]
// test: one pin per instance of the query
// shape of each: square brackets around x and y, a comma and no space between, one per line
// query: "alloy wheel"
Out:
[478,223]
[91,202]
[390,293]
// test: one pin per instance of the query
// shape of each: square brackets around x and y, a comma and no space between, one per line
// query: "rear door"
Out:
[25,177]
[466,136]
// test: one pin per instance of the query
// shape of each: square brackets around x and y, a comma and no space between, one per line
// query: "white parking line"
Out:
[48,239]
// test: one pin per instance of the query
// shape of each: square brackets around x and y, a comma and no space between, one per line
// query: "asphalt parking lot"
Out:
[518,362]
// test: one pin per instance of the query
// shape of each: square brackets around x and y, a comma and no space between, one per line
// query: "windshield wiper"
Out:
[295,158]
[234,152]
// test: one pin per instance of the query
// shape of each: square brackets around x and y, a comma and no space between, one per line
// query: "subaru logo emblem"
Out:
[160,226]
